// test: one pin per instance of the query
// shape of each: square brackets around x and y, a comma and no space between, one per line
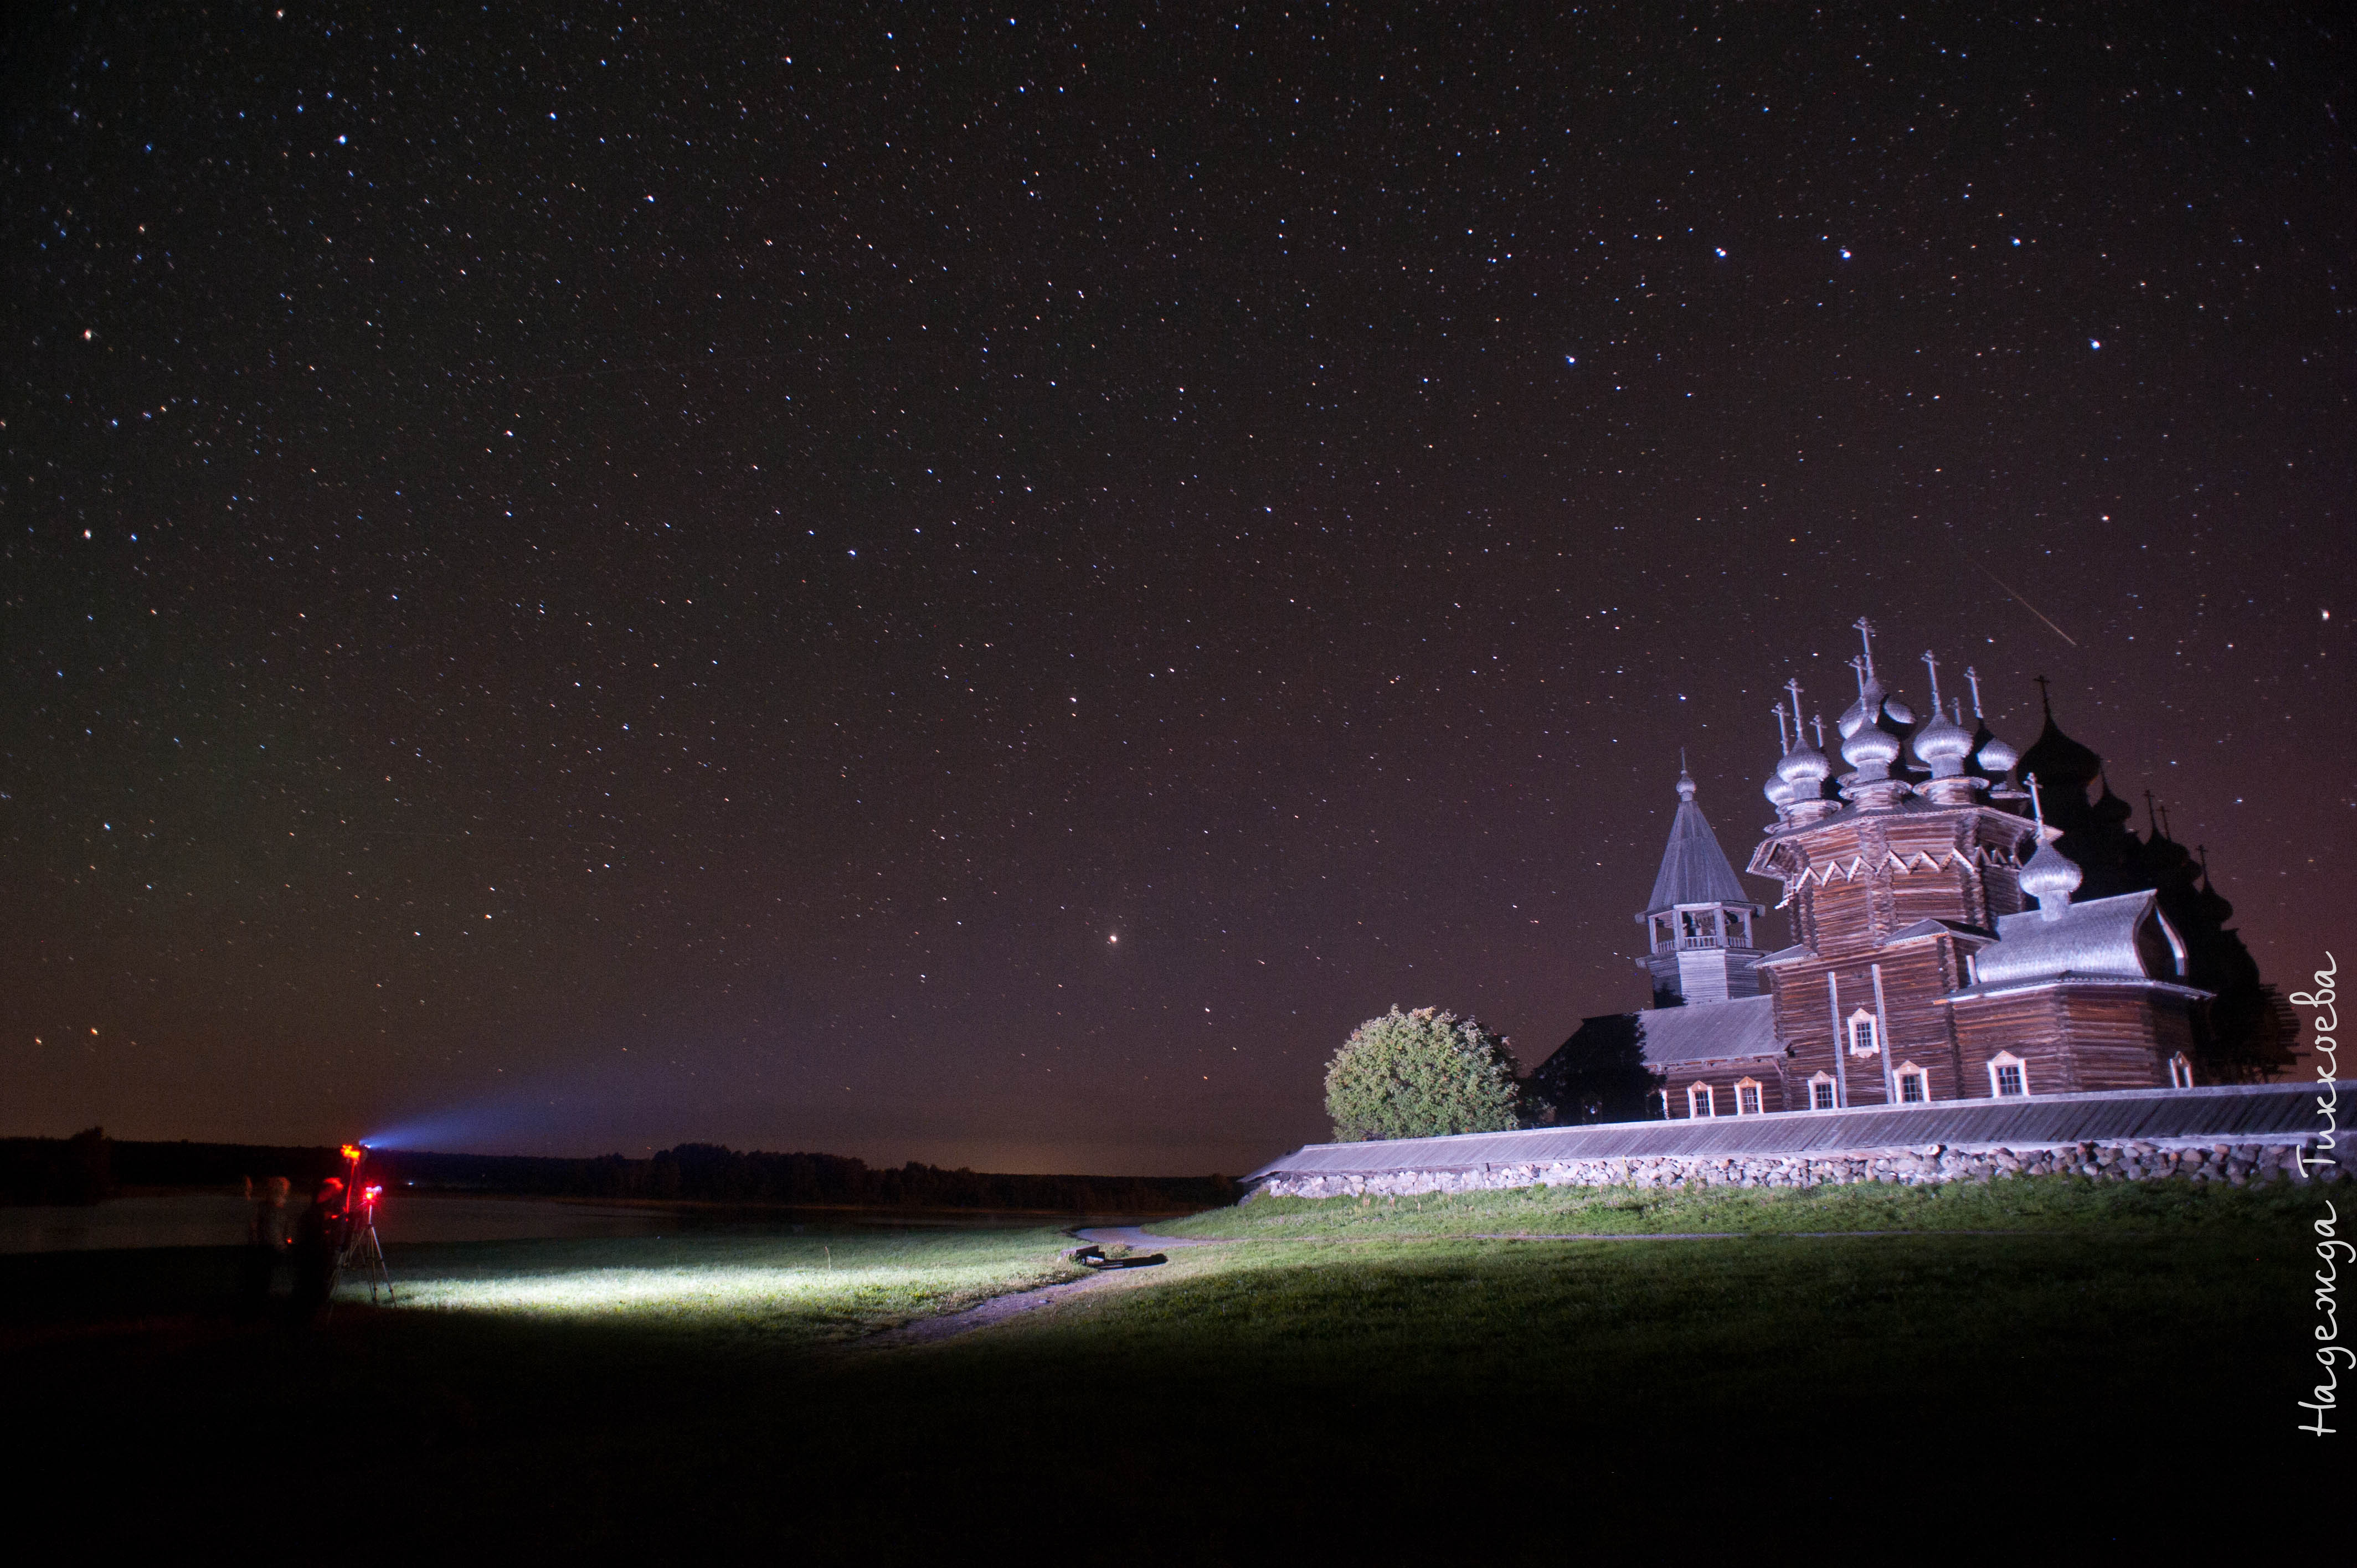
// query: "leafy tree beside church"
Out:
[1422,1074]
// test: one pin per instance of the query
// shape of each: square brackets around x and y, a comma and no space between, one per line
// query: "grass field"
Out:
[2040,1203]
[1322,1385]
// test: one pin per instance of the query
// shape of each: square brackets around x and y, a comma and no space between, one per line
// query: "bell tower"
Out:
[1699,924]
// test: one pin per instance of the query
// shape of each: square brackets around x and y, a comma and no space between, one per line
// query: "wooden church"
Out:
[1939,952]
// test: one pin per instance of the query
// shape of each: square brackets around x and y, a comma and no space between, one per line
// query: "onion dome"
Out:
[2109,810]
[2050,876]
[2055,756]
[1944,744]
[1995,758]
[1866,746]
[1869,748]
[2214,909]
[1803,769]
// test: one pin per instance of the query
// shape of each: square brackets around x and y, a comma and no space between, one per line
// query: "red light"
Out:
[351,1153]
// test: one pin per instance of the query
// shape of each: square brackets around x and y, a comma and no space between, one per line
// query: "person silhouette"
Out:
[266,1243]
[318,1248]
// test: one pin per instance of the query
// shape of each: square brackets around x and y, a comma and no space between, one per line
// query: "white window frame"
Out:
[1899,1077]
[1759,1102]
[1700,1102]
[1824,1081]
[1865,1028]
[2021,1069]
[2180,1071]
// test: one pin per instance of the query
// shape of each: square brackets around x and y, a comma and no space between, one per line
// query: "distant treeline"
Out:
[90,1165]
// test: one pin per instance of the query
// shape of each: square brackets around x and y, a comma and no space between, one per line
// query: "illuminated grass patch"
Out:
[792,1289]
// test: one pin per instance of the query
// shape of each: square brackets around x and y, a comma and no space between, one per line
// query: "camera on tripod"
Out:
[360,1248]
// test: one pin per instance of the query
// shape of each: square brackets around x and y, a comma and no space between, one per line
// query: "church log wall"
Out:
[2084,1038]
[1772,1074]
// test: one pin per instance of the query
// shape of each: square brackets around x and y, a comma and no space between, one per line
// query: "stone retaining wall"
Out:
[2239,1163]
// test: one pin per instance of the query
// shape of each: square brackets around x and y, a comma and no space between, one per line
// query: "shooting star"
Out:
[2009,588]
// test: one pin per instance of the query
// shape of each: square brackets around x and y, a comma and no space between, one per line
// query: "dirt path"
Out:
[999,1308]
[1137,1238]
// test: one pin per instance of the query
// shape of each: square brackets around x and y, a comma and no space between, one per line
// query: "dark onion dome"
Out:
[2213,907]
[2060,762]
[2109,809]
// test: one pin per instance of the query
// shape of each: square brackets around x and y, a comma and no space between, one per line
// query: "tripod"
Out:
[363,1251]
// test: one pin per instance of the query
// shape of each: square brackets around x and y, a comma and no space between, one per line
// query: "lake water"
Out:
[218,1220]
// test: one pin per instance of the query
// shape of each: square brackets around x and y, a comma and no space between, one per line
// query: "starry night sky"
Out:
[982,588]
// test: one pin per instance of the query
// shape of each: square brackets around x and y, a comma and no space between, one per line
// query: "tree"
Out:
[1422,1075]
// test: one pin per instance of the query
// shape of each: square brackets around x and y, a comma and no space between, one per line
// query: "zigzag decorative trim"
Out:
[1920,861]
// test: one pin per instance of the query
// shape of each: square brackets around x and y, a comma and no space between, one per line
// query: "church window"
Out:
[2180,1071]
[2008,1075]
[1698,1100]
[1821,1092]
[1863,1038]
[1914,1085]
[1747,1097]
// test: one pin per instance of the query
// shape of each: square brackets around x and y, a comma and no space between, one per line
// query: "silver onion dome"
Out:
[1996,758]
[1871,750]
[1942,744]
[2050,876]
[1865,744]
[1803,769]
